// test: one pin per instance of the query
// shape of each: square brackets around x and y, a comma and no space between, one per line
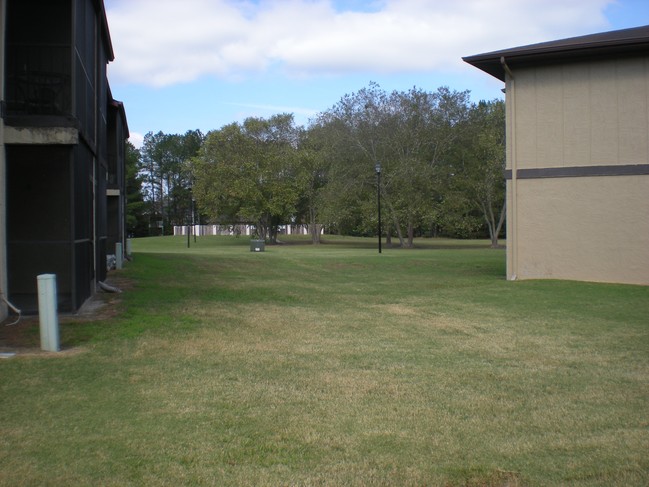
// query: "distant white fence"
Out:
[236,230]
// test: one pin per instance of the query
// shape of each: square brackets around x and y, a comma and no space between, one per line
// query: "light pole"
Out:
[194,218]
[377,168]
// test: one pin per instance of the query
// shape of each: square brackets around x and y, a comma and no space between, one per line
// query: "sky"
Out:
[203,64]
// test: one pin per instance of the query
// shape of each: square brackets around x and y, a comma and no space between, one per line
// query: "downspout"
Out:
[506,68]
[510,93]
[108,288]
[3,182]
[97,155]
[94,221]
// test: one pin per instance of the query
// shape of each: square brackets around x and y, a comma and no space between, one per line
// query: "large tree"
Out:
[167,176]
[247,173]
[356,140]
[136,218]
[480,164]
[425,126]
[313,176]
[409,134]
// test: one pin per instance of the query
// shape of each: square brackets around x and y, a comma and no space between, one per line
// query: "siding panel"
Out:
[549,117]
[577,116]
[526,119]
[633,112]
[604,113]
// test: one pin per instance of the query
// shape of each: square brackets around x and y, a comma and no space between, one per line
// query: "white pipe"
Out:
[119,255]
[14,309]
[47,312]
[108,288]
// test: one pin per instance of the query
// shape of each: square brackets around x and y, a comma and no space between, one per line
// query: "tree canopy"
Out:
[248,173]
[442,168]
[167,179]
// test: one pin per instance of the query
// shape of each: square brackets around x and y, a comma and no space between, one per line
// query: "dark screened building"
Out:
[62,195]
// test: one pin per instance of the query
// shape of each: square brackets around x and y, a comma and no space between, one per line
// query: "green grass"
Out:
[333,365]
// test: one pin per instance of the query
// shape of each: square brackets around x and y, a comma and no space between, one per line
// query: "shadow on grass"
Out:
[419,244]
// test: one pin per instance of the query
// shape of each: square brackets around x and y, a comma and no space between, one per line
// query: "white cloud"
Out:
[301,114]
[136,139]
[164,42]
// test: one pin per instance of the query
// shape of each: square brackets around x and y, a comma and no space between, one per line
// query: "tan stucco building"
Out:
[577,156]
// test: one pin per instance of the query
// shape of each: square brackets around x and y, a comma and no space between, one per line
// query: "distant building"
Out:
[62,182]
[577,156]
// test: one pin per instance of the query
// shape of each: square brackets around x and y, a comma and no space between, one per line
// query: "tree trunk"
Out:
[411,235]
[395,222]
[314,228]
[272,237]
[501,221]
[164,214]
[494,228]
[402,242]
[152,218]
[262,229]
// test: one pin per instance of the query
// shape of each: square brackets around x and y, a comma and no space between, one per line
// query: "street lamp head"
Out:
[377,168]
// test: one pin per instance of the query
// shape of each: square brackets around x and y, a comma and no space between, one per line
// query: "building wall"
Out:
[578,152]
[54,159]
[3,238]
[38,225]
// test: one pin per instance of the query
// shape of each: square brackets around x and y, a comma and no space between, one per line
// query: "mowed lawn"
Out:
[334,365]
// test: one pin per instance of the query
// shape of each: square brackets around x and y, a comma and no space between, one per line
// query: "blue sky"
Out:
[201,64]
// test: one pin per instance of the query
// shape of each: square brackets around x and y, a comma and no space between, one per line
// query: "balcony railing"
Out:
[38,93]
[38,80]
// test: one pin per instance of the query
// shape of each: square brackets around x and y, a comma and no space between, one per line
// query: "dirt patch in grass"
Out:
[499,478]
[24,336]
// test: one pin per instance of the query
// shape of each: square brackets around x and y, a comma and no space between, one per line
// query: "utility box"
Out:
[257,245]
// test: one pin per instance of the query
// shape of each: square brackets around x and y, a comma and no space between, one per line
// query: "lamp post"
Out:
[377,168]
[194,218]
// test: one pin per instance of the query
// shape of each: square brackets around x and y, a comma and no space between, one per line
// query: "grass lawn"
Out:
[334,365]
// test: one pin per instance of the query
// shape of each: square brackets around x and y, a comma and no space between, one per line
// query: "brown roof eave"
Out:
[105,33]
[627,42]
[119,106]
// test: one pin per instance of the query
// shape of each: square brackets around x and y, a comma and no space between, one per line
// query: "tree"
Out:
[410,134]
[312,174]
[167,176]
[247,173]
[424,129]
[178,150]
[136,219]
[356,141]
[151,181]
[481,164]
[441,160]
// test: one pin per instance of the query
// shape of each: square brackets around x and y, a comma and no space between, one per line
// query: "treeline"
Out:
[441,162]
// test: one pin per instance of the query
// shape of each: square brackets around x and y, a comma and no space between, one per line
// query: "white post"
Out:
[47,312]
[119,255]
[129,250]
